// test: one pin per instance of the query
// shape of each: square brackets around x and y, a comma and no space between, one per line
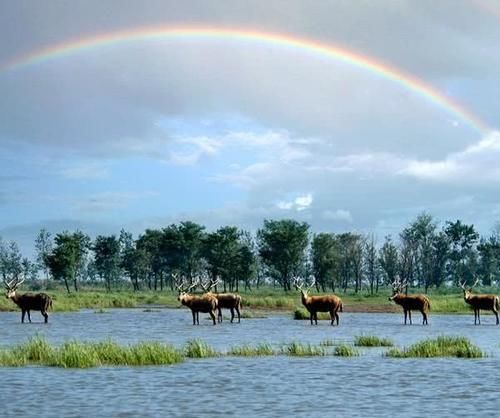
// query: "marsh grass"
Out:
[262,349]
[372,341]
[76,354]
[344,350]
[303,314]
[302,350]
[443,346]
[328,342]
[199,349]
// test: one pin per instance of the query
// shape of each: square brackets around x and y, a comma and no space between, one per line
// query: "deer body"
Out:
[230,301]
[206,304]
[412,303]
[28,301]
[485,302]
[327,303]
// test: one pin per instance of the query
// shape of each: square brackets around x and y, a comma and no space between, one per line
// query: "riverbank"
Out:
[266,299]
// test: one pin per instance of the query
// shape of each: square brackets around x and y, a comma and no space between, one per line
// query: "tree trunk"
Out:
[67,285]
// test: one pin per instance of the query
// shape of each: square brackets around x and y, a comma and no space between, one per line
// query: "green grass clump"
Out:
[372,341]
[251,351]
[198,349]
[76,354]
[344,350]
[328,343]
[442,346]
[299,349]
[303,314]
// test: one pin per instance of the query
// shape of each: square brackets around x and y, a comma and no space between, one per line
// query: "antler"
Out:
[180,284]
[209,285]
[462,285]
[299,284]
[10,286]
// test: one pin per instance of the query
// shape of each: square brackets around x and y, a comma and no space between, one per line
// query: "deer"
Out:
[206,303]
[28,301]
[314,304]
[231,301]
[480,301]
[410,303]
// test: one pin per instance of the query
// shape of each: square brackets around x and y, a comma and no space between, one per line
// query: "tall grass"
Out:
[76,354]
[372,341]
[199,349]
[300,349]
[262,349]
[344,350]
[442,346]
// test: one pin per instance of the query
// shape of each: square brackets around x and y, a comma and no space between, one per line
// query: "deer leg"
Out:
[219,314]
[29,316]
[479,316]
[238,312]
[213,316]
[424,321]
[232,315]
[337,316]
[22,316]
[409,314]
[496,314]
[194,317]
[311,315]
[46,316]
[332,317]
[406,314]
[316,317]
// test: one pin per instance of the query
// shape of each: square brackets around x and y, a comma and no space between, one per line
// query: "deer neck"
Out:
[15,297]
[305,298]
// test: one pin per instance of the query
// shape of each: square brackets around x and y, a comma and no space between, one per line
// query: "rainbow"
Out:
[362,62]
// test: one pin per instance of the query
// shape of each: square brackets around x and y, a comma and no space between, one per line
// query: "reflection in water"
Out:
[369,385]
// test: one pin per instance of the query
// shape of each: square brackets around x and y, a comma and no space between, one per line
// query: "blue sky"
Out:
[148,133]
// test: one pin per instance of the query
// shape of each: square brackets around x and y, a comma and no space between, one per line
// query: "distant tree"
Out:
[440,256]
[43,247]
[325,260]
[462,239]
[11,266]
[107,258]
[388,260]
[282,248]
[489,262]
[67,259]
[350,261]
[246,266]
[371,264]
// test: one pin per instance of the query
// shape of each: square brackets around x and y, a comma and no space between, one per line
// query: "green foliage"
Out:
[344,350]
[442,346]
[107,258]
[282,248]
[300,349]
[199,349]
[303,314]
[262,349]
[372,341]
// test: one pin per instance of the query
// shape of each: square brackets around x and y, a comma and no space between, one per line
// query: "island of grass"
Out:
[443,346]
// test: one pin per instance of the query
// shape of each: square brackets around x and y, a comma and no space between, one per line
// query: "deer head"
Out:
[397,288]
[467,292]
[299,285]
[182,287]
[11,287]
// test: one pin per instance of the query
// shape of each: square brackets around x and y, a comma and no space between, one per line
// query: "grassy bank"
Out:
[263,299]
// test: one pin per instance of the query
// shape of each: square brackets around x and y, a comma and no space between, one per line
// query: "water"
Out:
[369,385]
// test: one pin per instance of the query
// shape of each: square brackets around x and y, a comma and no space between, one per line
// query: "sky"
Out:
[150,130]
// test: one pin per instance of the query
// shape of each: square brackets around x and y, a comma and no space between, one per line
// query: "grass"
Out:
[442,346]
[372,341]
[199,349]
[303,314]
[77,354]
[344,350]
[328,343]
[303,350]
[262,349]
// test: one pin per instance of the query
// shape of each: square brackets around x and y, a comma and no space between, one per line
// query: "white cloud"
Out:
[190,150]
[298,204]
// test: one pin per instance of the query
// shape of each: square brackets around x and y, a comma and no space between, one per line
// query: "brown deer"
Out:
[206,303]
[231,301]
[314,304]
[28,301]
[481,301]
[410,302]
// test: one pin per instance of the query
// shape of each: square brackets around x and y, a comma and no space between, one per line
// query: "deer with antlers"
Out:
[410,302]
[314,304]
[480,301]
[28,301]
[206,303]
[231,301]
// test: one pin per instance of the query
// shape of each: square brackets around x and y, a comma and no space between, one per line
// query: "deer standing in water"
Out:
[206,303]
[480,301]
[410,302]
[28,301]
[231,301]
[314,304]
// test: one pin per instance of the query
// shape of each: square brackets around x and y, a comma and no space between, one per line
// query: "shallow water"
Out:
[369,385]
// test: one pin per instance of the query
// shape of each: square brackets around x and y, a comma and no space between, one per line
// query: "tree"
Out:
[388,260]
[325,260]
[371,264]
[43,247]
[282,247]
[462,238]
[67,259]
[440,255]
[11,266]
[107,258]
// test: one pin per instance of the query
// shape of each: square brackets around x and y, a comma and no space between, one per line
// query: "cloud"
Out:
[299,203]
[337,215]
[189,151]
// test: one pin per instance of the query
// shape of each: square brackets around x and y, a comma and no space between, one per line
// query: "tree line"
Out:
[424,254]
